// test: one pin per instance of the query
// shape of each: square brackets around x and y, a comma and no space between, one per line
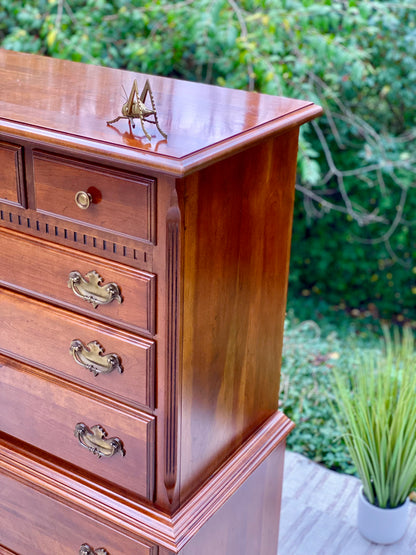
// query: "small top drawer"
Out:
[12,189]
[99,197]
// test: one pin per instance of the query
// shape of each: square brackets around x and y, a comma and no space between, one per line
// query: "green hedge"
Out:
[354,233]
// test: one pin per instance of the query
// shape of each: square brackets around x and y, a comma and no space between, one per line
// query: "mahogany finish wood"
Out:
[120,202]
[195,231]
[29,397]
[203,123]
[41,269]
[11,174]
[50,350]
[54,527]
[169,532]
[249,521]
[238,217]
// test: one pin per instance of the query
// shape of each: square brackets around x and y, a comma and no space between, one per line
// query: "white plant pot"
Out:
[382,526]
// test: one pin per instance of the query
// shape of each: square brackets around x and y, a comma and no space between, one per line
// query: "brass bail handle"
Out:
[91,357]
[90,289]
[85,549]
[83,200]
[96,441]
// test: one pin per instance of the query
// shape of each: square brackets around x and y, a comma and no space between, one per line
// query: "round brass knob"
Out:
[83,200]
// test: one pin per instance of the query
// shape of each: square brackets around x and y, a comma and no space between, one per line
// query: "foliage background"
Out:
[354,231]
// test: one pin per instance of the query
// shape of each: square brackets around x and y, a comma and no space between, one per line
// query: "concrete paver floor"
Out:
[319,509]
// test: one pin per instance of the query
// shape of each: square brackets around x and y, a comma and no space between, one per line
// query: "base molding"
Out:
[137,519]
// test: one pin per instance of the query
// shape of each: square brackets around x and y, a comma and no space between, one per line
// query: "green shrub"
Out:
[354,233]
[307,365]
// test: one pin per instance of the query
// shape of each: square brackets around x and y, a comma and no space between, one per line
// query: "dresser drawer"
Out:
[34,524]
[11,174]
[70,345]
[96,196]
[43,269]
[54,416]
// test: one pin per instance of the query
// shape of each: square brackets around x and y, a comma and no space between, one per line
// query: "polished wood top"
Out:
[68,103]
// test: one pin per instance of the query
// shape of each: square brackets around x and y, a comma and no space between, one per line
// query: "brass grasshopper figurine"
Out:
[135,108]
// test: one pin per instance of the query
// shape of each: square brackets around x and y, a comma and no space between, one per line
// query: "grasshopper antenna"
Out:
[125,94]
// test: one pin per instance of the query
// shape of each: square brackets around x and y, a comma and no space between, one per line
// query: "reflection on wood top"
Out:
[68,103]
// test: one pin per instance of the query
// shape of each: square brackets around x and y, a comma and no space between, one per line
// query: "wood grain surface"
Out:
[195,232]
[23,317]
[43,411]
[34,523]
[11,174]
[42,269]
[203,123]
[121,202]
[237,229]
[151,525]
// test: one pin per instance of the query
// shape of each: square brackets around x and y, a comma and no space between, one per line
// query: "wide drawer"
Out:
[55,416]
[97,196]
[34,524]
[11,174]
[44,270]
[118,364]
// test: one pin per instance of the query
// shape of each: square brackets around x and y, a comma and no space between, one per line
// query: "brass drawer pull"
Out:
[96,441]
[83,200]
[85,549]
[91,357]
[91,290]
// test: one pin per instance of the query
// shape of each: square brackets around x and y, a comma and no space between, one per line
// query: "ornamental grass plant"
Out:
[375,408]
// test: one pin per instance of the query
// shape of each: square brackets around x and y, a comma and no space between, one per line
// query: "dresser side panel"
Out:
[236,247]
[248,523]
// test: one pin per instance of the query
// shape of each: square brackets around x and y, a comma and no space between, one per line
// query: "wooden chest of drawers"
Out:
[142,300]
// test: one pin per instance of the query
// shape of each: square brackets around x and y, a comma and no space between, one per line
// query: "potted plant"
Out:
[375,407]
